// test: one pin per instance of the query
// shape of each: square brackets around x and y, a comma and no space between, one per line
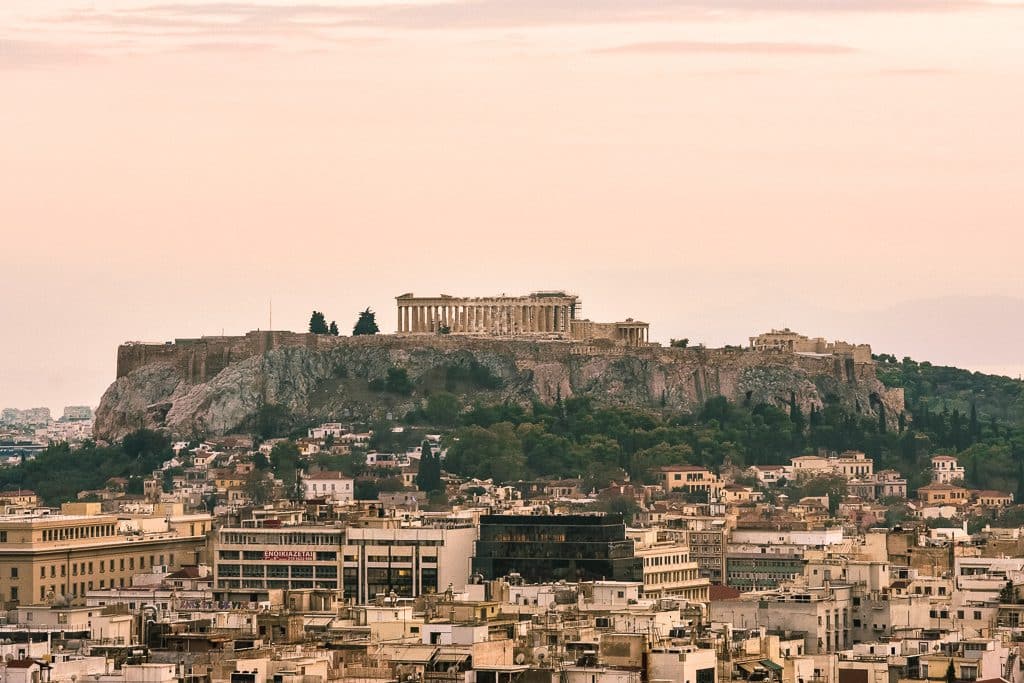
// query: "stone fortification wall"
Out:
[215,385]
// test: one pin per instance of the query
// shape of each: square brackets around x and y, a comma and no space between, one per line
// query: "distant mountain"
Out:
[982,333]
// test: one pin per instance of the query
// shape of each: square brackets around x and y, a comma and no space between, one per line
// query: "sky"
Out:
[168,168]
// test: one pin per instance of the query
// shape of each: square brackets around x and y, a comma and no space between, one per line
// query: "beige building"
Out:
[848,464]
[786,340]
[669,571]
[942,494]
[46,556]
[691,479]
[542,314]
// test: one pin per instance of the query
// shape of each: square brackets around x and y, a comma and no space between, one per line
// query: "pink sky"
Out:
[711,166]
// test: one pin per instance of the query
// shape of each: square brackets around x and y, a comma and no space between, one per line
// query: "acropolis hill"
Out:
[216,385]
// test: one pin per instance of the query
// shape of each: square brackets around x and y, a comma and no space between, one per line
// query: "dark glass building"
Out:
[544,548]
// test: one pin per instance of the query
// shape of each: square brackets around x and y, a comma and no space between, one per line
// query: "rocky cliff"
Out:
[218,385]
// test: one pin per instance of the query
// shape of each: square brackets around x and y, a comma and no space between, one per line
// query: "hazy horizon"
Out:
[716,167]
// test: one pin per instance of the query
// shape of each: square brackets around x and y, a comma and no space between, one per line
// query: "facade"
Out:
[691,479]
[824,615]
[552,314]
[360,562]
[407,560]
[333,486]
[248,562]
[542,548]
[942,494]
[884,484]
[994,499]
[750,567]
[46,557]
[669,571]
[849,465]
[707,549]
[946,469]
[786,340]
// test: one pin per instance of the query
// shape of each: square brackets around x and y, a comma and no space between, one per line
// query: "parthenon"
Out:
[544,314]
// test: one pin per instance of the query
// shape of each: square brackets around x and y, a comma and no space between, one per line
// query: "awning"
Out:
[451,657]
[747,667]
[771,666]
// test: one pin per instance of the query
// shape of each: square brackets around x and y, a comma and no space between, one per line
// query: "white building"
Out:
[946,469]
[333,486]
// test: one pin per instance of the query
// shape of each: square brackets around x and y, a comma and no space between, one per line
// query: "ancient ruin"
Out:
[542,314]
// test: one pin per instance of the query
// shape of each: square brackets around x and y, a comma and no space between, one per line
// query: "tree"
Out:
[273,420]
[258,487]
[618,504]
[318,324]
[679,343]
[443,408]
[333,329]
[366,324]
[284,458]
[398,382]
[429,476]
[493,453]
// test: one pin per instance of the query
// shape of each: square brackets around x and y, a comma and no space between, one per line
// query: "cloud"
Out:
[274,24]
[699,47]
[455,14]
[918,71]
[31,53]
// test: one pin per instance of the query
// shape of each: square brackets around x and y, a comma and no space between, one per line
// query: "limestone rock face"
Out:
[339,379]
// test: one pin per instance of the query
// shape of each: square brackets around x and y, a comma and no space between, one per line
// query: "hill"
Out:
[219,385]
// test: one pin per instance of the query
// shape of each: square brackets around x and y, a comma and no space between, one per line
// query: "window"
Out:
[14,593]
[14,574]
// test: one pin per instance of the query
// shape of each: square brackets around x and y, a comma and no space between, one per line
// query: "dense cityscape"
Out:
[511,341]
[472,541]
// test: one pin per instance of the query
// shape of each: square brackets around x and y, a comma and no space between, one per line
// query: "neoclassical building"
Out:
[542,314]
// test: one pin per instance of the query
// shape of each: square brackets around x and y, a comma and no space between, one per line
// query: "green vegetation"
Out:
[318,324]
[273,420]
[679,343]
[935,389]
[602,444]
[366,324]
[429,476]
[58,473]
[286,462]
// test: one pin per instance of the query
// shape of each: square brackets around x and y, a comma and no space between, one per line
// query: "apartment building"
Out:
[381,557]
[44,557]
[668,569]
